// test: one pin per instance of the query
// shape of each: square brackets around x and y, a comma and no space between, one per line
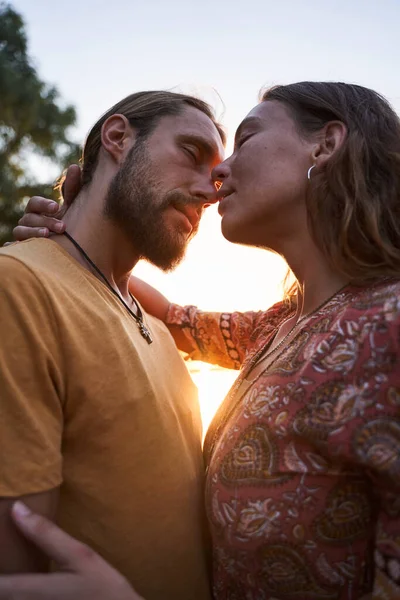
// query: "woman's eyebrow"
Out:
[244,124]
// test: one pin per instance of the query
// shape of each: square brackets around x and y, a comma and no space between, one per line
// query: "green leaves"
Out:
[32,120]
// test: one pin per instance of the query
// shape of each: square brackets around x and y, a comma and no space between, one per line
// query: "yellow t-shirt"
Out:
[87,404]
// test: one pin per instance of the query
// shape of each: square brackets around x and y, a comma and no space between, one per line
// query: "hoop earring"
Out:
[309,172]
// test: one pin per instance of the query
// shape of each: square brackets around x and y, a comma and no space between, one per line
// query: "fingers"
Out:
[32,224]
[85,574]
[40,205]
[41,221]
[68,553]
[72,184]
[24,233]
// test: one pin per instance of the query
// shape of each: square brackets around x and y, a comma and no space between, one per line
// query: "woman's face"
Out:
[264,182]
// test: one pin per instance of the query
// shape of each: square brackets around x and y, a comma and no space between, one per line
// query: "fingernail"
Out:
[21,510]
[43,232]
[53,207]
[59,227]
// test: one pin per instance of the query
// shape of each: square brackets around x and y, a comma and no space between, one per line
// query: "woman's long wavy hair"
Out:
[354,202]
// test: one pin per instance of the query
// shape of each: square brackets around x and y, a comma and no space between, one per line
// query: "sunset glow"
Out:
[208,278]
[213,384]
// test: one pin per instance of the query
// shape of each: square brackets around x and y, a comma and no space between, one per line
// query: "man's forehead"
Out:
[193,122]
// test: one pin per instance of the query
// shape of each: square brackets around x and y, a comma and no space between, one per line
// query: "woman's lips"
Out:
[223,202]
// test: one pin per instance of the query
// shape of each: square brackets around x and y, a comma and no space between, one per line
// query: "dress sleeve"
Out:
[225,339]
[31,385]
[369,438]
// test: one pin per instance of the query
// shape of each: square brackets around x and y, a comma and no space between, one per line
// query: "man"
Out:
[99,422]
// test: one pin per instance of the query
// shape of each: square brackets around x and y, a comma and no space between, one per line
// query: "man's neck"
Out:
[102,240]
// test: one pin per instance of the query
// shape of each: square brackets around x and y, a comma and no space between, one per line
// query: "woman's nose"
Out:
[220,173]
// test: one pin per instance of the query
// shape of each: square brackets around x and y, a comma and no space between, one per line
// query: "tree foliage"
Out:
[33,121]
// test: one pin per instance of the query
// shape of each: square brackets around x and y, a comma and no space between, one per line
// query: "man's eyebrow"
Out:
[209,149]
[246,123]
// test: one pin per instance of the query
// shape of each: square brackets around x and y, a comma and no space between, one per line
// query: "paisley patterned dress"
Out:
[303,468]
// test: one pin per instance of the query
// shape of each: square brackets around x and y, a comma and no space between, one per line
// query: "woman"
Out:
[303,456]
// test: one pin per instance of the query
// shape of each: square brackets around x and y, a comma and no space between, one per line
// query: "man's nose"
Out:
[205,191]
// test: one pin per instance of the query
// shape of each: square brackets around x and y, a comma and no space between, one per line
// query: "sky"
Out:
[96,52]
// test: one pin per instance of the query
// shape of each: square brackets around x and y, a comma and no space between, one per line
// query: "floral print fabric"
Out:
[303,477]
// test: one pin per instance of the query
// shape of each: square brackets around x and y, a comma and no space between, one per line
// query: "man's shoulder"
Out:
[17,279]
[41,257]
[31,252]
[28,266]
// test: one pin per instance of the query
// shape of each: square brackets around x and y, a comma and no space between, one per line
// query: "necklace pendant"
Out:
[145,333]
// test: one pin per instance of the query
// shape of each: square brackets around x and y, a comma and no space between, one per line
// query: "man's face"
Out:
[158,195]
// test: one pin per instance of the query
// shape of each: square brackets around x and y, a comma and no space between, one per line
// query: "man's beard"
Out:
[136,205]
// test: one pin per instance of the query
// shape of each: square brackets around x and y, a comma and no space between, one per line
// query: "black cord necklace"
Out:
[144,332]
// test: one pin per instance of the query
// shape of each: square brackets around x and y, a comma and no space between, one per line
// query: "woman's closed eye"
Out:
[244,138]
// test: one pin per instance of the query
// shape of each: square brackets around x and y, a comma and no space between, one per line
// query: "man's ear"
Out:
[117,137]
[330,140]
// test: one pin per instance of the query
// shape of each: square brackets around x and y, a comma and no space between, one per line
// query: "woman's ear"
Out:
[330,140]
[117,137]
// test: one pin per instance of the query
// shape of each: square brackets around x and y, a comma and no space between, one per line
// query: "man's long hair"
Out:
[143,111]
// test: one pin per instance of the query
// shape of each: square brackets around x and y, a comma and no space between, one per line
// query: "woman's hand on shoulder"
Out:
[43,216]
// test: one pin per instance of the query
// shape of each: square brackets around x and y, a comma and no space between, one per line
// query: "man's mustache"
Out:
[178,200]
